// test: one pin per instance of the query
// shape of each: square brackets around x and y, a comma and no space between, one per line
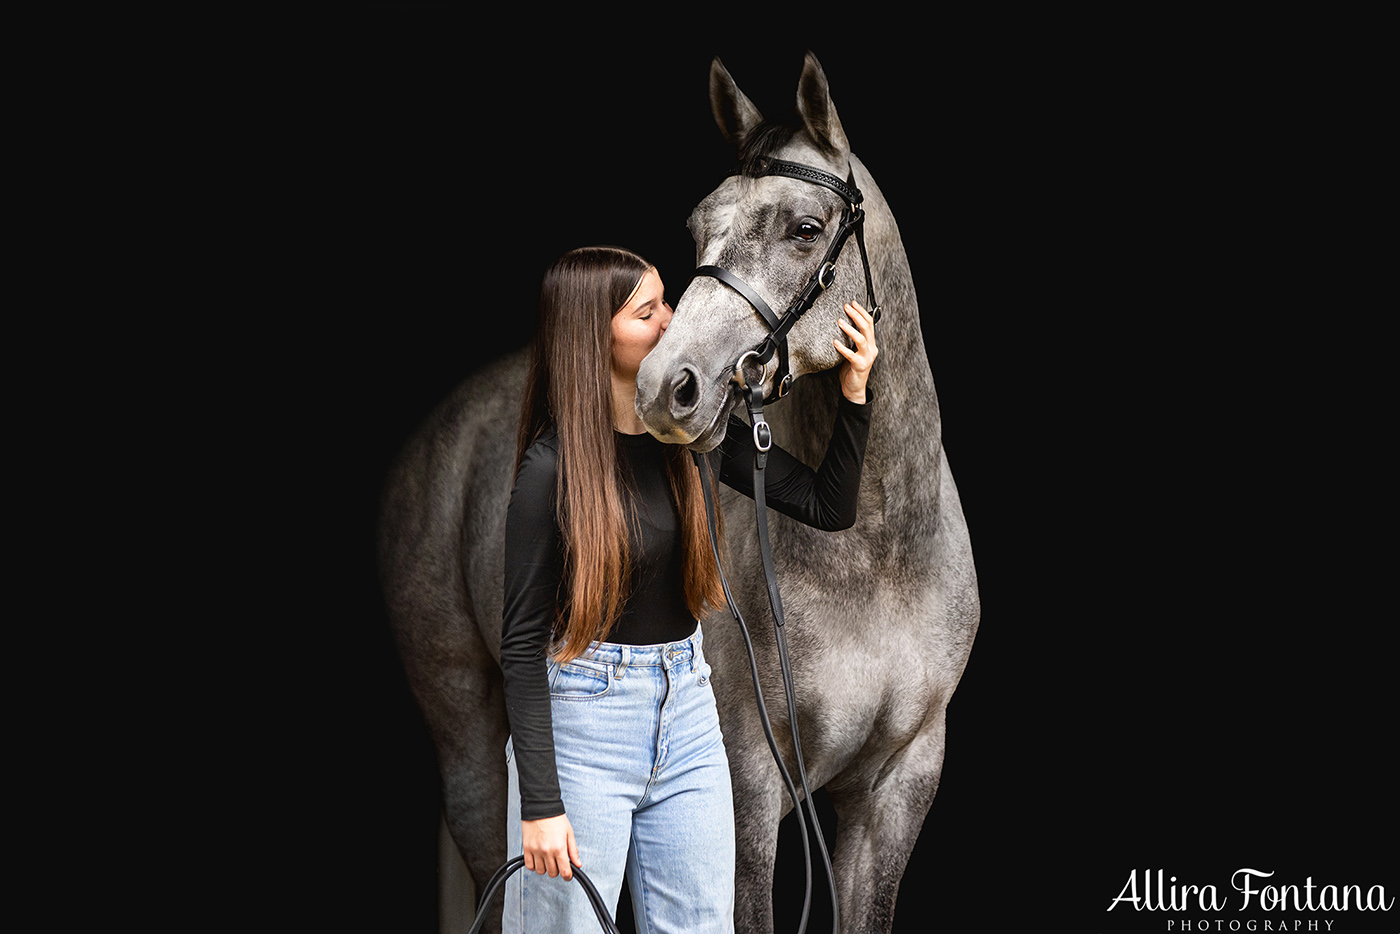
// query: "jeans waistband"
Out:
[663,655]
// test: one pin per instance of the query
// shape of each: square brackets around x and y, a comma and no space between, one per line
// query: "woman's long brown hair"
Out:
[570,374]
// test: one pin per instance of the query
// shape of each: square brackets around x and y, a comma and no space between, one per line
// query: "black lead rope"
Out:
[775,344]
[600,908]
[763,439]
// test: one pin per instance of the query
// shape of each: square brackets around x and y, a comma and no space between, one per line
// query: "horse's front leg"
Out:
[880,808]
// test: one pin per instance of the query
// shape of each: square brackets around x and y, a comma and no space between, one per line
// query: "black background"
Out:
[1153,389]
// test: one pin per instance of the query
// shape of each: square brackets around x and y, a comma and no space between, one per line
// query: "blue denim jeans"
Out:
[645,782]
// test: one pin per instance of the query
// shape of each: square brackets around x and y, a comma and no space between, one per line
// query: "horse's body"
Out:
[880,618]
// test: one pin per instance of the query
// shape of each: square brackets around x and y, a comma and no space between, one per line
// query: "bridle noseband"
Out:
[852,221]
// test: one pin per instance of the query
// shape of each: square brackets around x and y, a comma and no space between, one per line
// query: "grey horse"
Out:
[880,618]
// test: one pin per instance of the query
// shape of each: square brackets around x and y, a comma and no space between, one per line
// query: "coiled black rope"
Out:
[499,879]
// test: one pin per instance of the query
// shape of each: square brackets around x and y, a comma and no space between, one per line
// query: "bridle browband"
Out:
[852,221]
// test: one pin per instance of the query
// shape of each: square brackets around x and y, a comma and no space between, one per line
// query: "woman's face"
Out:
[639,325]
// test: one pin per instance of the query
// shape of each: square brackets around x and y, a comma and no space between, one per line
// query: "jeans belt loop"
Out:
[621,668]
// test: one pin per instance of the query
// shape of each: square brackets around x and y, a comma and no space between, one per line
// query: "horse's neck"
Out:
[905,443]
[910,432]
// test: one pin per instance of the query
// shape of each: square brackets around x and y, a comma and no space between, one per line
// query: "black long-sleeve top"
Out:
[655,611]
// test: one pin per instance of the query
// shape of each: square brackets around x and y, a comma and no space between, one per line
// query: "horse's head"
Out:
[771,232]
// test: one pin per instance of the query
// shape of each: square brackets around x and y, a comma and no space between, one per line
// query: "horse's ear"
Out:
[817,110]
[736,115]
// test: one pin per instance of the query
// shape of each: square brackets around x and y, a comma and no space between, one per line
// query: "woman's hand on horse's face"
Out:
[549,846]
[856,370]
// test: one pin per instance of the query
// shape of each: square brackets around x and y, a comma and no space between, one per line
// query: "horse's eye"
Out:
[807,231]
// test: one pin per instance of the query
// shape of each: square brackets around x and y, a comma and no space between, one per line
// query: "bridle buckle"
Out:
[762,436]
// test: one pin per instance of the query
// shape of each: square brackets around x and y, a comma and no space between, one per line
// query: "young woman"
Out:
[616,760]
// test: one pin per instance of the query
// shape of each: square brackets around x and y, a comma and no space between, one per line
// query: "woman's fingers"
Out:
[860,354]
[864,316]
[561,864]
[568,852]
[861,335]
[554,862]
[549,846]
[573,849]
[559,857]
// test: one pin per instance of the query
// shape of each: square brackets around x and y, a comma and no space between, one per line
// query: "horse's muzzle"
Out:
[679,405]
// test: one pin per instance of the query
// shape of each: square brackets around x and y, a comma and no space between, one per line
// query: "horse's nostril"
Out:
[686,390]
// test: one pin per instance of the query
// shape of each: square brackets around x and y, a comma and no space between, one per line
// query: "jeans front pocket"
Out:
[580,679]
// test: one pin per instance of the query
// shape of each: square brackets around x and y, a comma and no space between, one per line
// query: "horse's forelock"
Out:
[763,142]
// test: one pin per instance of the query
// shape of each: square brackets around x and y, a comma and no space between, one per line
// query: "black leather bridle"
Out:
[852,221]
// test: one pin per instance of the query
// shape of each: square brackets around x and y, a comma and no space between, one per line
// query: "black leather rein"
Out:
[751,384]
